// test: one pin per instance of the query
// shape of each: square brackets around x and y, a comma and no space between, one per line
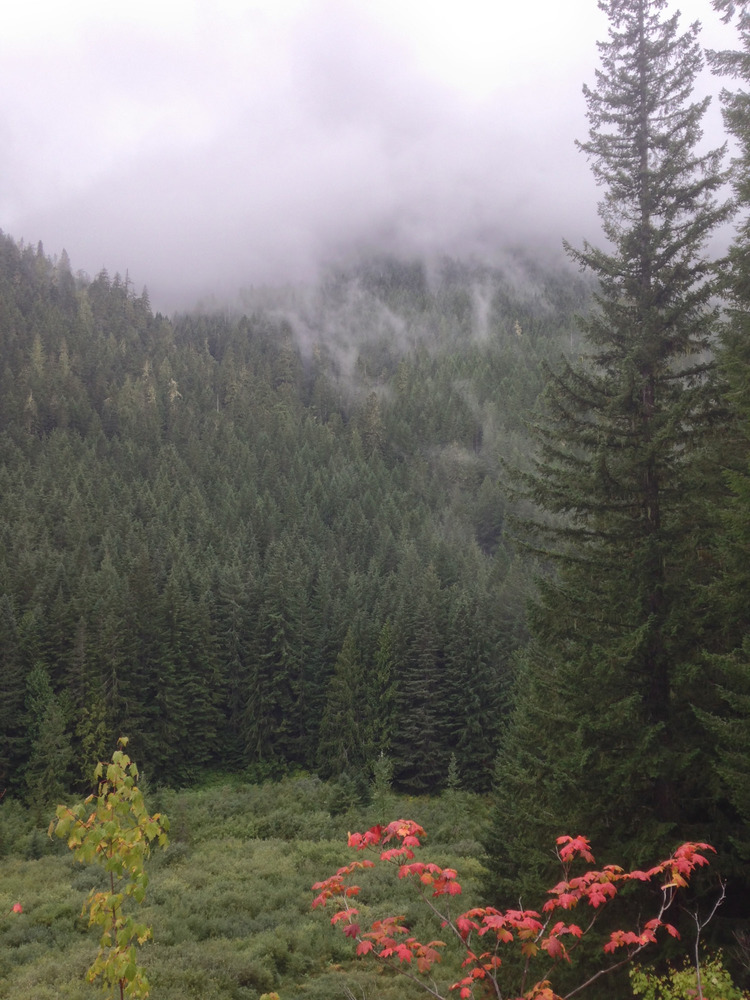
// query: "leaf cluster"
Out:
[112,828]
[535,933]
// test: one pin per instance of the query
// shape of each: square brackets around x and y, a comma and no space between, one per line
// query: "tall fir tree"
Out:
[729,721]
[602,739]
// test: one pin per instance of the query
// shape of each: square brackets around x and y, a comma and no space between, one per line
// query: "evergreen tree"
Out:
[233,623]
[603,734]
[13,738]
[473,706]
[343,744]
[47,772]
[729,721]
[273,727]
[383,692]
[420,753]
[189,686]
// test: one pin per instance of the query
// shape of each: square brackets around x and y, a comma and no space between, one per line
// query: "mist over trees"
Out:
[266,540]
[479,526]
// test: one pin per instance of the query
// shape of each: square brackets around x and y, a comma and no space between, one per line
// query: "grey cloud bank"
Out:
[230,148]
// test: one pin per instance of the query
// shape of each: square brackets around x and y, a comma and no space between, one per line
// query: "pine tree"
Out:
[602,737]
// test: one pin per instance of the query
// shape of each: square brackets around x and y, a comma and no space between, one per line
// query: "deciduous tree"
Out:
[543,940]
[114,829]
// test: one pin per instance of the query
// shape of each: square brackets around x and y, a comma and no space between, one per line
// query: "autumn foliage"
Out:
[485,935]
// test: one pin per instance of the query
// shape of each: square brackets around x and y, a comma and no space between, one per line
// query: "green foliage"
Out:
[227,901]
[710,982]
[113,829]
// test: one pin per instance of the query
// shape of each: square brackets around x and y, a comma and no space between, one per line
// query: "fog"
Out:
[206,147]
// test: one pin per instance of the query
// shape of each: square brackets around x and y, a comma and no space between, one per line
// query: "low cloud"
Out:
[238,151]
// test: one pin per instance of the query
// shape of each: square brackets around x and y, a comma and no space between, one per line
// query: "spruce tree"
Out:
[729,720]
[602,739]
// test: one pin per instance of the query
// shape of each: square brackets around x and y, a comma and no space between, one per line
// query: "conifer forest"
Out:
[476,532]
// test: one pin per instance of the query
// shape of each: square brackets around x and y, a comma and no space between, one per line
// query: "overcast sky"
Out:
[204,145]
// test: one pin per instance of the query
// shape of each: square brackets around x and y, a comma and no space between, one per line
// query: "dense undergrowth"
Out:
[229,899]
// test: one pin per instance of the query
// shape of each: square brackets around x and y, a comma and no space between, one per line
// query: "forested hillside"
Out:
[268,538]
[464,527]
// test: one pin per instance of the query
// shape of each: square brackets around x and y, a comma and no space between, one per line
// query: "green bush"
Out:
[682,984]
[228,900]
